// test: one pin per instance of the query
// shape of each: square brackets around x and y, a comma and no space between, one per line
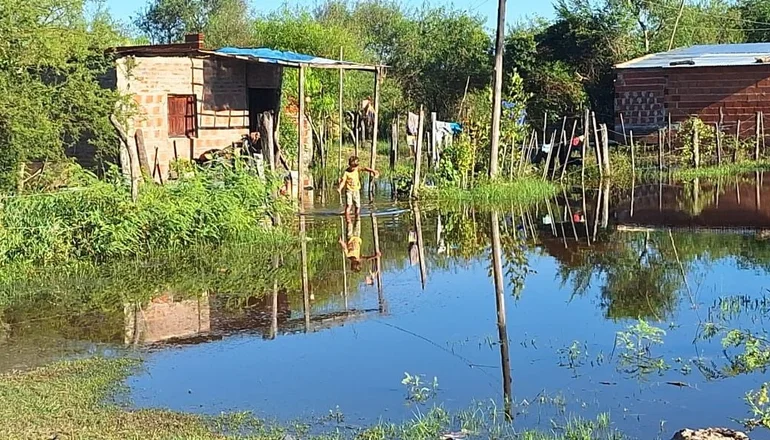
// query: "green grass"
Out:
[99,221]
[523,191]
[81,399]
[732,169]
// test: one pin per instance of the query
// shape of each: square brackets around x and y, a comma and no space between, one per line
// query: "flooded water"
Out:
[579,271]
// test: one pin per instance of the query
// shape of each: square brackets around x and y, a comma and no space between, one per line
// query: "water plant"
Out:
[635,349]
[417,390]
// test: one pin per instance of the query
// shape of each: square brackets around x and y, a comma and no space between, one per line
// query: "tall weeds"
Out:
[99,221]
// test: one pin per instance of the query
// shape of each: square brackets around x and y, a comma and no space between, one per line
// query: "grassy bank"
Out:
[75,399]
[98,221]
[723,170]
[523,191]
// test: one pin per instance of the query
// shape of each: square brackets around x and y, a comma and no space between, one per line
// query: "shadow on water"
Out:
[336,319]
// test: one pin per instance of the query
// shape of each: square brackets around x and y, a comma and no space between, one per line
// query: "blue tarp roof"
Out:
[272,56]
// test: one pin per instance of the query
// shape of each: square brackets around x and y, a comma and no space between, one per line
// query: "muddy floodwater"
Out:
[616,301]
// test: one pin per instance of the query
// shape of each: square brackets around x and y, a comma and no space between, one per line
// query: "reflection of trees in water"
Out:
[640,278]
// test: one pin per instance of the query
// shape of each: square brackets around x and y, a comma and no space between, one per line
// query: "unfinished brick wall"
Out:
[221,87]
[646,97]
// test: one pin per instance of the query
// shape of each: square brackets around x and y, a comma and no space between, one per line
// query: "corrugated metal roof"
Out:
[293,59]
[704,56]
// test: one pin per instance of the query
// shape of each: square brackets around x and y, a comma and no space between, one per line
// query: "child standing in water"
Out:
[351,183]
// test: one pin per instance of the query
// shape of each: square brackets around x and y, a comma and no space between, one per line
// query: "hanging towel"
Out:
[411,124]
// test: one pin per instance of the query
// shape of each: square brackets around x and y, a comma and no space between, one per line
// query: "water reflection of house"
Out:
[189,321]
[728,206]
[166,318]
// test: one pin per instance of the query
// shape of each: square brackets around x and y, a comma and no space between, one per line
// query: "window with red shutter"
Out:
[182,117]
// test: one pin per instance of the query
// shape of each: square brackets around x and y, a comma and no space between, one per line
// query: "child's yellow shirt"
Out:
[352,180]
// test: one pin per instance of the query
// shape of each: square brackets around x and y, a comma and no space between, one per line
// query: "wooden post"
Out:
[669,135]
[633,154]
[357,132]
[268,142]
[562,141]
[144,163]
[548,156]
[623,127]
[606,149]
[416,180]
[586,131]
[660,150]
[393,144]
[502,329]
[375,128]
[378,265]
[432,162]
[597,147]
[301,135]
[497,90]
[513,149]
[695,148]
[757,129]
[718,131]
[737,141]
[420,244]
[342,114]
[569,150]
[762,129]
[303,262]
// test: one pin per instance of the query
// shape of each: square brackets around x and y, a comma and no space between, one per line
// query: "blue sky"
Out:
[516,9]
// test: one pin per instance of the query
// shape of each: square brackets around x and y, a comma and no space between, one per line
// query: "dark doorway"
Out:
[260,101]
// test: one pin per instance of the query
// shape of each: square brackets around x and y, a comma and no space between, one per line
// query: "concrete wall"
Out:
[221,89]
[646,97]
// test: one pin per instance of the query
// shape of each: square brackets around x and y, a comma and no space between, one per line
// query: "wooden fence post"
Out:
[623,126]
[737,141]
[757,129]
[718,131]
[418,154]
[597,147]
[660,150]
[606,149]
[633,154]
[695,148]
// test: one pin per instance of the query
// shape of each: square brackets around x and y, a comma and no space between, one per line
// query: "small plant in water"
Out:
[635,345]
[759,402]
[573,356]
[417,390]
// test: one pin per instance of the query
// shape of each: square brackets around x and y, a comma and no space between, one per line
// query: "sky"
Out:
[516,10]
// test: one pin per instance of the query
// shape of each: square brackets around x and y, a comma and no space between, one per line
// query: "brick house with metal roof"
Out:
[729,82]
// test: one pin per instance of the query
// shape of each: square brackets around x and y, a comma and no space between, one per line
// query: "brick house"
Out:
[190,100]
[696,81]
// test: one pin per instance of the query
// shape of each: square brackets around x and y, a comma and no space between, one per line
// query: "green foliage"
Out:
[224,22]
[50,96]
[523,191]
[99,221]
[754,354]
[759,403]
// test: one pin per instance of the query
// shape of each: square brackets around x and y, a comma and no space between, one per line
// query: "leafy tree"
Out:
[756,18]
[225,22]
[51,58]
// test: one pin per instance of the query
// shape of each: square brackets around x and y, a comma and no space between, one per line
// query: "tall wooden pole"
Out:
[342,114]
[375,129]
[305,278]
[498,89]
[301,135]
[757,130]
[586,136]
